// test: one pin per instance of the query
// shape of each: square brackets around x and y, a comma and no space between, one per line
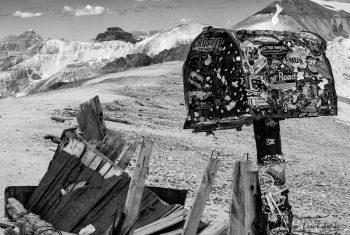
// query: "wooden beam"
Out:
[133,199]
[125,159]
[243,199]
[90,120]
[74,148]
[175,232]
[202,195]
[161,224]
[217,228]
[18,213]
[112,145]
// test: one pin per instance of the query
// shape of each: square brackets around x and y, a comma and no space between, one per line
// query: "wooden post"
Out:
[134,196]
[90,120]
[243,199]
[202,195]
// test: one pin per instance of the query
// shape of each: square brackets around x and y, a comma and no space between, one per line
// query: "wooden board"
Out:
[161,224]
[124,160]
[243,199]
[133,200]
[202,195]
[217,228]
[96,202]
[90,120]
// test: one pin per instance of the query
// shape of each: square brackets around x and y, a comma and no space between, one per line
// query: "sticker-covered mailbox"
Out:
[234,77]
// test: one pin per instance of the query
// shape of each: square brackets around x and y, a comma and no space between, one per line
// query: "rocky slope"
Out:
[296,15]
[131,61]
[183,34]
[14,49]
[59,61]
[125,63]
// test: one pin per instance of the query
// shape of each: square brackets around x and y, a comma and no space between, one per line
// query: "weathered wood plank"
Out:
[51,184]
[217,228]
[112,145]
[243,199]
[88,157]
[133,200]
[202,195]
[105,168]
[115,170]
[175,232]
[75,206]
[90,120]
[95,162]
[74,148]
[123,162]
[161,224]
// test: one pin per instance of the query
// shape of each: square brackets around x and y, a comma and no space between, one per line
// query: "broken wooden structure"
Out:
[86,184]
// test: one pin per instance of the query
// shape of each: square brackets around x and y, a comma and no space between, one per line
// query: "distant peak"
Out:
[116,33]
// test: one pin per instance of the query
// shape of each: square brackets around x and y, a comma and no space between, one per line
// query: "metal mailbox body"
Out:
[234,77]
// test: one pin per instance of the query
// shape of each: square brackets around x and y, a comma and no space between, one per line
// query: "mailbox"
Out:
[234,77]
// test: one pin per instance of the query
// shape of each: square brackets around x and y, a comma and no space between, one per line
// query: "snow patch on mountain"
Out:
[333,5]
[338,53]
[275,20]
[183,34]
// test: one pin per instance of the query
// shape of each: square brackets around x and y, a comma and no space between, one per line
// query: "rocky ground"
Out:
[317,150]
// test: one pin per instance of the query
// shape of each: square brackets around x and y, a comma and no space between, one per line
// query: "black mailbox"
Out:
[233,77]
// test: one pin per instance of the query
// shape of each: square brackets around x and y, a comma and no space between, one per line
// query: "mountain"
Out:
[116,33]
[176,53]
[297,15]
[58,61]
[16,48]
[127,62]
[140,35]
[183,34]
[14,44]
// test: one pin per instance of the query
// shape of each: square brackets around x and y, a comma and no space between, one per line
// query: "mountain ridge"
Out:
[298,15]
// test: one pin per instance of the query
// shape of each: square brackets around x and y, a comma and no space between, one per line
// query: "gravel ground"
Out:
[317,150]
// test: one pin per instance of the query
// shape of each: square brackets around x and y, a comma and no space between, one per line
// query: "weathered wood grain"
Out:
[90,120]
[161,224]
[124,160]
[243,199]
[202,195]
[133,200]
[217,228]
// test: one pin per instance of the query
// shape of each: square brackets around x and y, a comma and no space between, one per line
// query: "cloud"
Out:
[24,14]
[88,10]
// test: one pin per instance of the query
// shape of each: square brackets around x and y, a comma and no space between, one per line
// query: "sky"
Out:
[82,20]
